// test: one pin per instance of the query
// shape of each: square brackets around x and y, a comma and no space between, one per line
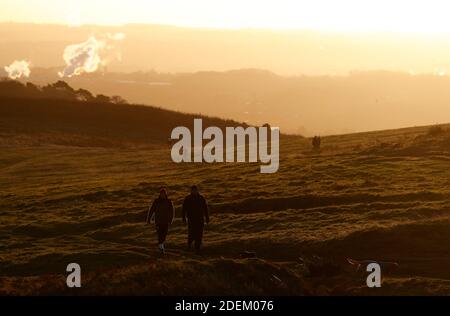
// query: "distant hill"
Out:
[306,105]
[59,114]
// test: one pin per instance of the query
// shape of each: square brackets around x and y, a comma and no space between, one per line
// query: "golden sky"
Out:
[344,15]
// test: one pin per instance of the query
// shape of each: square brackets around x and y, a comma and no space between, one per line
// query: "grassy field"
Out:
[379,196]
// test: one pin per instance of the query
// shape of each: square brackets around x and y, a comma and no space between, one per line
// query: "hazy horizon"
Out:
[293,64]
[167,48]
[306,105]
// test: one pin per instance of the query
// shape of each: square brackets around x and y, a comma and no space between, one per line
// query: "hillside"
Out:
[306,105]
[328,82]
[61,115]
[370,196]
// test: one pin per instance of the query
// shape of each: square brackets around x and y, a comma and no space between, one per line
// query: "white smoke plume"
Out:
[18,69]
[88,56]
[84,57]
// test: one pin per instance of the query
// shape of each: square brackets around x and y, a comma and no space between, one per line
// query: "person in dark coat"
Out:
[195,213]
[163,212]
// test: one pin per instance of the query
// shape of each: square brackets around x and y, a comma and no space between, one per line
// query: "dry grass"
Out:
[381,196]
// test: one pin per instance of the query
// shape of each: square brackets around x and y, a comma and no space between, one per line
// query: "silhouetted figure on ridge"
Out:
[163,211]
[316,142]
[195,213]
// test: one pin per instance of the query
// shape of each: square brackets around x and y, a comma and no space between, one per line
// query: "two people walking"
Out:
[194,213]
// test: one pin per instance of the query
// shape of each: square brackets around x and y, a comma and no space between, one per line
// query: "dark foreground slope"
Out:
[372,196]
[69,122]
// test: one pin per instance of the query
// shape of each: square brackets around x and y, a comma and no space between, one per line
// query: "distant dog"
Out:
[384,265]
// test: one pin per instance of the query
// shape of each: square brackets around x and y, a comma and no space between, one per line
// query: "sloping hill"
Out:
[58,114]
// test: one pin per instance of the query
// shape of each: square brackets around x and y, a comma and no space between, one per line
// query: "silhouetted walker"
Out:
[195,212]
[316,142]
[163,211]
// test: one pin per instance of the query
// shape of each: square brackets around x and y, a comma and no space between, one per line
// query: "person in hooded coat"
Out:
[163,212]
[195,214]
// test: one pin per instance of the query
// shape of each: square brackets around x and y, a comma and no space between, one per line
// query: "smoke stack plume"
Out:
[18,69]
[89,55]
[84,57]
